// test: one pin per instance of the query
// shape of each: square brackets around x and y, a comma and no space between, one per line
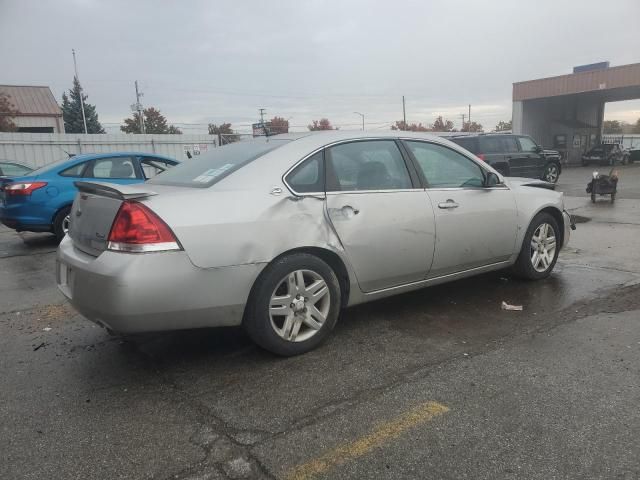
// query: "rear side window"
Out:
[367,165]
[527,145]
[116,167]
[509,144]
[209,168]
[491,145]
[308,177]
[75,171]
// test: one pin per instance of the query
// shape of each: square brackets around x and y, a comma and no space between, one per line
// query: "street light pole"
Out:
[362,115]
[75,67]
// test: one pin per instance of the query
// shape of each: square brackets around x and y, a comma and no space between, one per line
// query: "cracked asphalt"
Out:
[439,383]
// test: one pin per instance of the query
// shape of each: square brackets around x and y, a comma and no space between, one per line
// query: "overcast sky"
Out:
[206,61]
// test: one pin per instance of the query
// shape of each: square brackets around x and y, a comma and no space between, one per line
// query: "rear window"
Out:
[468,144]
[491,145]
[207,169]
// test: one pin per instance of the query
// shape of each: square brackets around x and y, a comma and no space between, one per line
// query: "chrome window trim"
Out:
[393,190]
[501,187]
[328,145]
[284,176]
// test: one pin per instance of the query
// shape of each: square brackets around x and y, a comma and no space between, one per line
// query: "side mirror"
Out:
[491,180]
[538,149]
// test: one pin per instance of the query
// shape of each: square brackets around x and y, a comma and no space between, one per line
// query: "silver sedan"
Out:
[279,234]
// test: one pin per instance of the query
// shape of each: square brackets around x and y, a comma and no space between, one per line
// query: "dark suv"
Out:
[513,155]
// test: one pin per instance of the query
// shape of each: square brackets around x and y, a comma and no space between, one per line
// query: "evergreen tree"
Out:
[154,122]
[72,112]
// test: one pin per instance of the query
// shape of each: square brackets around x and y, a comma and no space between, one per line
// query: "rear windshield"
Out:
[466,143]
[602,148]
[209,168]
[51,166]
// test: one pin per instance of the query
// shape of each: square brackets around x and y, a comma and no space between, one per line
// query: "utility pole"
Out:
[404,112]
[75,67]
[469,117]
[362,115]
[262,110]
[137,107]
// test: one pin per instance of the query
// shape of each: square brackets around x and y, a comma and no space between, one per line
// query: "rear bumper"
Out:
[132,293]
[26,217]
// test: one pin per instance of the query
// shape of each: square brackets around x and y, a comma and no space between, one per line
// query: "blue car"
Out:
[41,201]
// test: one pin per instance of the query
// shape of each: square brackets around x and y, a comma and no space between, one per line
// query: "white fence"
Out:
[631,141]
[38,149]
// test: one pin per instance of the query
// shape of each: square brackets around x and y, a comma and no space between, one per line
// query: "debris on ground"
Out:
[43,344]
[506,306]
[46,329]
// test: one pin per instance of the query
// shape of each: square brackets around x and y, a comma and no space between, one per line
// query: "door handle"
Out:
[448,204]
[348,210]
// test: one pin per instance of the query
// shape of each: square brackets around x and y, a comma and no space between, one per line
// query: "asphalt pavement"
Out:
[440,383]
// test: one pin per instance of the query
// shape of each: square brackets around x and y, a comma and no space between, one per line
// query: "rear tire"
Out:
[540,248]
[61,222]
[294,305]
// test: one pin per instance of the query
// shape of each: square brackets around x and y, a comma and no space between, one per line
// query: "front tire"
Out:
[540,248]
[294,305]
[551,172]
[61,223]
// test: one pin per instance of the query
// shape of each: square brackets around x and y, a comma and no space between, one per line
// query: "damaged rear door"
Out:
[383,219]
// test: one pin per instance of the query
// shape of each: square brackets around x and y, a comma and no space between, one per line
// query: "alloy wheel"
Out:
[299,305]
[543,247]
[551,174]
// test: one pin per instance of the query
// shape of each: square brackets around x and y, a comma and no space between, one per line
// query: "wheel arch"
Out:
[58,210]
[557,216]
[330,257]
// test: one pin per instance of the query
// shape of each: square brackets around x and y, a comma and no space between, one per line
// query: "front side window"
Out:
[366,165]
[445,168]
[117,167]
[308,177]
[527,145]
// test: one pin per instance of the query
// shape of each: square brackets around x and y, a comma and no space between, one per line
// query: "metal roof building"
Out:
[567,112]
[38,111]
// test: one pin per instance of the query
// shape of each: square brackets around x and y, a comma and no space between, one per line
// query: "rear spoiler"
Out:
[112,190]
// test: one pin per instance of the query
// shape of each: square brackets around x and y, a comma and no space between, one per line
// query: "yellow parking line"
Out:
[352,450]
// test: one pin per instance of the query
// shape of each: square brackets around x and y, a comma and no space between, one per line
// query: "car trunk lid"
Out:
[94,210]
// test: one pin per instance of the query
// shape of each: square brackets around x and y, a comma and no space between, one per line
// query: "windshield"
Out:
[209,168]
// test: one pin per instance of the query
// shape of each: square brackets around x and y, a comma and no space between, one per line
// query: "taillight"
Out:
[138,229]
[23,188]
[480,156]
